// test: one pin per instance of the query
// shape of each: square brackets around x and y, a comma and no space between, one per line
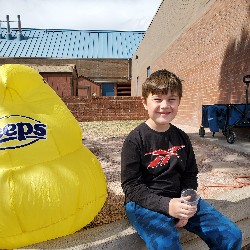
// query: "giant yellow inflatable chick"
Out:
[50,184]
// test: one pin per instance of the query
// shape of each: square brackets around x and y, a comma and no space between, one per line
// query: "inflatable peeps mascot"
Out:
[50,184]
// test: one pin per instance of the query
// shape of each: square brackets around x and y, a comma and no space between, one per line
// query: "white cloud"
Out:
[81,14]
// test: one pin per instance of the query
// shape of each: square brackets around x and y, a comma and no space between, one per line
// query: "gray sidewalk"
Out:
[241,144]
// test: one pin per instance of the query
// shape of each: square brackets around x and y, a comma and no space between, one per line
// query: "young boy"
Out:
[157,163]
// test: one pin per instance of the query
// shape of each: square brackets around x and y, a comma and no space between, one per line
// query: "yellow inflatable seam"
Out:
[3,97]
[12,199]
[45,162]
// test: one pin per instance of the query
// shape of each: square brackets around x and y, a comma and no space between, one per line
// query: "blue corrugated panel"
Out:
[70,43]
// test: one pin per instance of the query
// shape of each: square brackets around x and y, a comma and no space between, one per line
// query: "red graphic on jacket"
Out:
[163,156]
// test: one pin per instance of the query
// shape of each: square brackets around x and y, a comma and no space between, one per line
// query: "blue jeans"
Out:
[159,232]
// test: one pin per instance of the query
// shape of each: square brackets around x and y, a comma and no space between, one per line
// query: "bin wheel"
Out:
[231,137]
[201,131]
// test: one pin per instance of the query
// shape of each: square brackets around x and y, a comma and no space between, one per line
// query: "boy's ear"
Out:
[144,102]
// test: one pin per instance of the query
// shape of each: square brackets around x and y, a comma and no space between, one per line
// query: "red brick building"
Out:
[87,88]
[206,43]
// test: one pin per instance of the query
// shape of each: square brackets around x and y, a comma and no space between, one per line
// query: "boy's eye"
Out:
[157,99]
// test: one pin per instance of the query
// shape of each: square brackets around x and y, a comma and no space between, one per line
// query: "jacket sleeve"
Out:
[131,178]
[189,177]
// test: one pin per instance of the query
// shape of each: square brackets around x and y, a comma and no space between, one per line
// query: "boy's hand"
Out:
[178,209]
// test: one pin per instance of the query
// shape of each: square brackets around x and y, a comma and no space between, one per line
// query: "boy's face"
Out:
[162,109]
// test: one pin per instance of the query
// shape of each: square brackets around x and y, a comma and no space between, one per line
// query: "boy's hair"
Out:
[160,82]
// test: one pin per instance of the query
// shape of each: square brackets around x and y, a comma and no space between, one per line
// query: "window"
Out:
[148,71]
[137,85]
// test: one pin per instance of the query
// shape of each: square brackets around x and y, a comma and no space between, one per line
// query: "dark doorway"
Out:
[108,89]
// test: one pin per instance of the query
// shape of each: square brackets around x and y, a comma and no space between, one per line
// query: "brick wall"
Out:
[207,44]
[106,108]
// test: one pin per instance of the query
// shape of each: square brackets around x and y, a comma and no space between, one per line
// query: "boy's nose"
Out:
[164,104]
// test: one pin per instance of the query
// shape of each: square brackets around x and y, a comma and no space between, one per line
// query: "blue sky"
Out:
[130,15]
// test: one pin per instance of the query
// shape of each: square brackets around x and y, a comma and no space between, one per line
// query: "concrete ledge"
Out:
[120,235]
